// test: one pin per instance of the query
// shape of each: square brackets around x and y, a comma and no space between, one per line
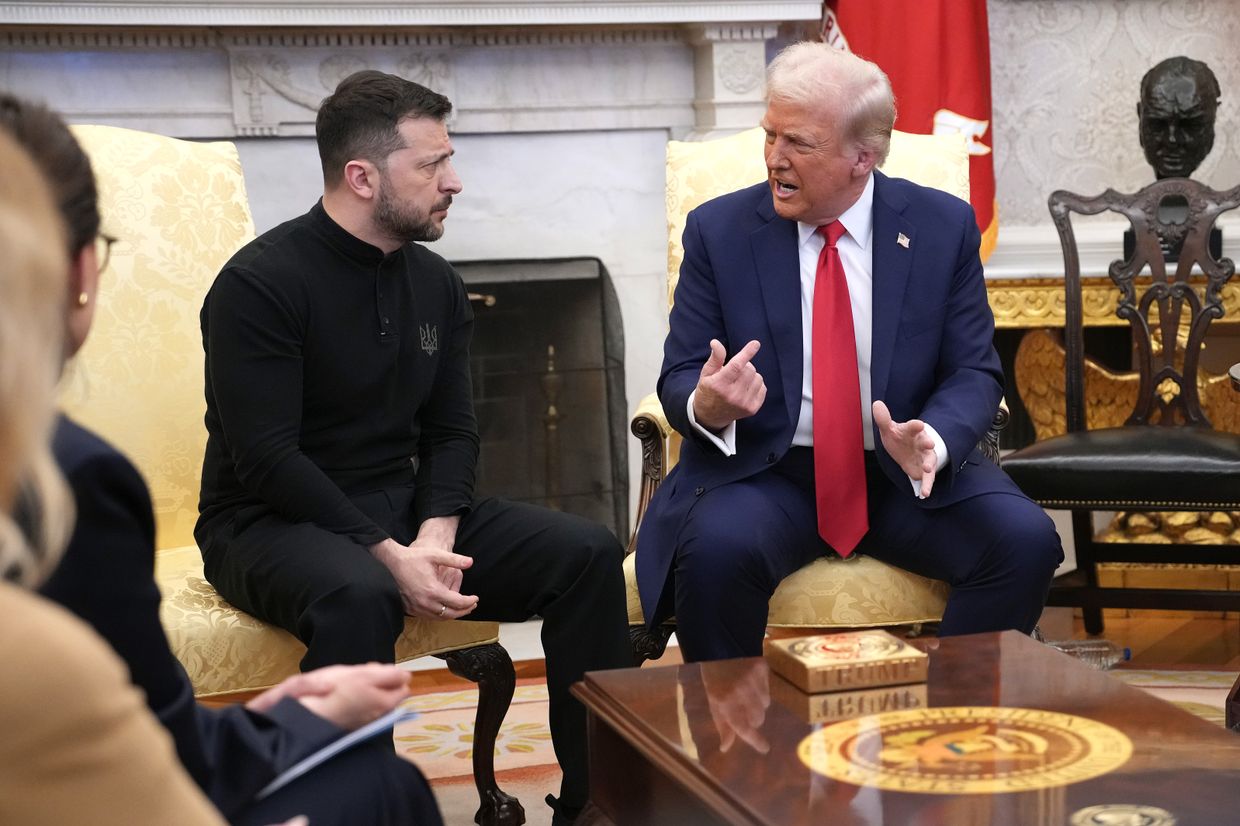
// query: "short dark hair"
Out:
[360,118]
[46,137]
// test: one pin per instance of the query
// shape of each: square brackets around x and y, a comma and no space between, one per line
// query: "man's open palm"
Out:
[909,444]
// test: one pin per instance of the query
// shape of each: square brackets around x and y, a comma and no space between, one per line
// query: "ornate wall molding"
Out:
[399,12]
[102,38]
[730,74]
[733,32]
[278,92]
[454,38]
[315,38]
[73,39]
[275,91]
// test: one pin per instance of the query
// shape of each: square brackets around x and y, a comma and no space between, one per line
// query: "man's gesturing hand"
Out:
[909,444]
[727,392]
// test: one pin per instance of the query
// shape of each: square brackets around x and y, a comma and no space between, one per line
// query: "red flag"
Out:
[937,55]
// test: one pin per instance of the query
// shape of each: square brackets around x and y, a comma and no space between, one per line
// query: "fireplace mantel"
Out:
[400,12]
[259,69]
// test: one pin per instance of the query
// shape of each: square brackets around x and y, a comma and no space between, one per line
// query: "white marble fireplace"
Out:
[562,109]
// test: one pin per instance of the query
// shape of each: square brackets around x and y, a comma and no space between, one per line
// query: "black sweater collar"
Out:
[345,241]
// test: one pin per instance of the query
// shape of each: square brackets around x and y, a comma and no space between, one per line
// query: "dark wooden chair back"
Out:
[1170,283]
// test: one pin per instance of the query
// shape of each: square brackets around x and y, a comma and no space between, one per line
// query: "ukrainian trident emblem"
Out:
[429,333]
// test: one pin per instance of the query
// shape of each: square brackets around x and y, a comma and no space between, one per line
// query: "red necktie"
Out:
[839,453]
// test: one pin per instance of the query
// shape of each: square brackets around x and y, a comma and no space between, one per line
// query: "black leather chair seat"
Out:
[1143,468]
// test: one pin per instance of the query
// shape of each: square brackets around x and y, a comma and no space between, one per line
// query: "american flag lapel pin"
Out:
[902,240]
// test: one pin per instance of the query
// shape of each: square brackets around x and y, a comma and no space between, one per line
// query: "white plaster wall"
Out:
[181,92]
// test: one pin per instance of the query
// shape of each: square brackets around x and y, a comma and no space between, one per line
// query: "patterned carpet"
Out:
[1203,693]
[441,739]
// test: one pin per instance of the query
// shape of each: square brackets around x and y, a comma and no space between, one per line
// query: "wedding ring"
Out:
[442,608]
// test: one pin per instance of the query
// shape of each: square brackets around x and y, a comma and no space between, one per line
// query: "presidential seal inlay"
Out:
[965,750]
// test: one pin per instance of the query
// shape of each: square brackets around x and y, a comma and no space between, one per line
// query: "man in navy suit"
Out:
[831,367]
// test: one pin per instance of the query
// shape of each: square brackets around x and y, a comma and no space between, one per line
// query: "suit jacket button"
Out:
[770,458]
[699,490]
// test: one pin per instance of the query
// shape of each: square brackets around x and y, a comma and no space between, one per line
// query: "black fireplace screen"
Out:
[548,372]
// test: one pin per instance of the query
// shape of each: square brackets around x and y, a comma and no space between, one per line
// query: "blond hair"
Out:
[813,74]
[33,271]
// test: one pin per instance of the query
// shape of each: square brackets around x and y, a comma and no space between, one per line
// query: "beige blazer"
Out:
[77,744]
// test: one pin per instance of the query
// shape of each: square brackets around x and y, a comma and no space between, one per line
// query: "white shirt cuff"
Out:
[725,440]
[940,461]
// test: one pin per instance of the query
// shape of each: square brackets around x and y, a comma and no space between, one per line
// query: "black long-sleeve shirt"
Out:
[333,369]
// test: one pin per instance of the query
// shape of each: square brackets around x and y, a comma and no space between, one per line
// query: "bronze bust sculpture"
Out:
[1176,111]
[1179,100]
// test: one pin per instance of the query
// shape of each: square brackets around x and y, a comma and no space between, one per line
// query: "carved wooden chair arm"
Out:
[651,428]
[989,445]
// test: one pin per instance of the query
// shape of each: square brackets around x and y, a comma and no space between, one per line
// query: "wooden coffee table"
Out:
[1084,740]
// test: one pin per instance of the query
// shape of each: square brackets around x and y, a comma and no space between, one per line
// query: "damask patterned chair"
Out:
[1165,456]
[179,210]
[830,592]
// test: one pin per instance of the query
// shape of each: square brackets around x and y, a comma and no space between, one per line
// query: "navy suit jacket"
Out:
[933,356]
[106,577]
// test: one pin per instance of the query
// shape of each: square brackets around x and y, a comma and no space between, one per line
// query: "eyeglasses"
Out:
[103,249]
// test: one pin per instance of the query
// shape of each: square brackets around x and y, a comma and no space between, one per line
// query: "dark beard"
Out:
[407,225]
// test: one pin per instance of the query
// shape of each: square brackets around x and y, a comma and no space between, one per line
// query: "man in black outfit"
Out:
[337,487]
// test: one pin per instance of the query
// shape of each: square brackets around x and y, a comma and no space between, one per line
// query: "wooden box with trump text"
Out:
[834,706]
[848,661]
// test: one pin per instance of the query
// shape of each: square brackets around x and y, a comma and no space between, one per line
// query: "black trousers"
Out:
[998,551]
[344,605]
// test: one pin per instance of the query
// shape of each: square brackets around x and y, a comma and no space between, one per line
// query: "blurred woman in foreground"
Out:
[79,743]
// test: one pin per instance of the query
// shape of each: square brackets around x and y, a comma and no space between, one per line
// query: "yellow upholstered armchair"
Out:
[179,210]
[829,592]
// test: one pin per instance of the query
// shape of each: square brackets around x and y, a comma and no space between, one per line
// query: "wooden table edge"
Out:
[712,795]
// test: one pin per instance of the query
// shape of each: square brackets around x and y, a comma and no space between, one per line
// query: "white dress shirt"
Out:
[856,251]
